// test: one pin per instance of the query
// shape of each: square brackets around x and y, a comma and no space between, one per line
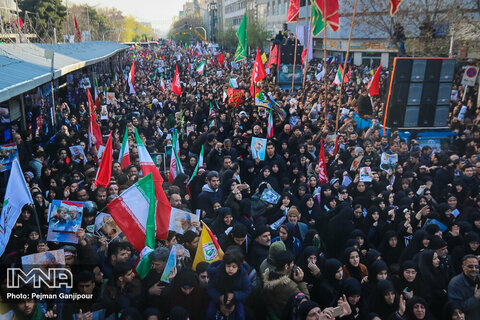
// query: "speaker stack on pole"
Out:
[419,93]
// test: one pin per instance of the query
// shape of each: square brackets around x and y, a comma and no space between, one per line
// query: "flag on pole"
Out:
[270,125]
[162,84]
[293,11]
[241,52]
[199,164]
[346,78]
[394,4]
[273,57]
[332,16]
[374,84]
[124,156]
[200,68]
[144,263]
[95,88]
[208,249]
[162,215]
[175,164]
[264,57]
[93,128]
[16,196]
[322,166]
[220,59]
[232,83]
[176,88]
[131,209]
[104,172]
[338,76]
[79,35]
[131,78]
[258,73]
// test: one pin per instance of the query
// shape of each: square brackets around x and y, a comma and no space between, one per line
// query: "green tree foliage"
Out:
[228,38]
[46,14]
[182,29]
[257,33]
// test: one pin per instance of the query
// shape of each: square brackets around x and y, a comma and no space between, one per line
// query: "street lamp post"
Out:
[204,31]
[212,8]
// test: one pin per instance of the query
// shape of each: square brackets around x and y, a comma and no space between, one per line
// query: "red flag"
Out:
[347,78]
[258,73]
[235,96]
[143,54]
[94,128]
[394,4]
[273,57]
[220,59]
[104,172]
[331,14]
[322,166]
[18,22]
[374,84]
[176,88]
[293,11]
[79,36]
[304,53]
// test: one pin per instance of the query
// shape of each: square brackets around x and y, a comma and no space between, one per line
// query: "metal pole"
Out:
[54,35]
[450,51]
[324,17]
[88,24]
[53,89]
[295,55]
[308,47]
[345,64]
[68,31]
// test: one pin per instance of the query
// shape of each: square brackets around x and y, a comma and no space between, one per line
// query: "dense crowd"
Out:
[403,243]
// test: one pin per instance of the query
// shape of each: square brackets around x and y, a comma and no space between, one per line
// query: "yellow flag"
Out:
[264,57]
[208,248]
[371,72]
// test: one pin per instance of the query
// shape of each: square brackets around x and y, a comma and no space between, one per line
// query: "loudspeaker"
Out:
[288,51]
[418,70]
[432,72]
[403,70]
[448,69]
[419,92]
[415,94]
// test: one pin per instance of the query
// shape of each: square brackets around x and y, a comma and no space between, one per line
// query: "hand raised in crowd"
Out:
[298,275]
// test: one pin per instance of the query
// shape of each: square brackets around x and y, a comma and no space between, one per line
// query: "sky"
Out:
[157,12]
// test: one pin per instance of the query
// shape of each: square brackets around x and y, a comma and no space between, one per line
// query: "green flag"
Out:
[147,188]
[317,22]
[241,53]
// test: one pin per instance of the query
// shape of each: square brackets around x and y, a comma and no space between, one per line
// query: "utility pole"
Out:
[88,24]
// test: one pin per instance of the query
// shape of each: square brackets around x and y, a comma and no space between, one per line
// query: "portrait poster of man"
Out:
[78,155]
[65,217]
[43,260]
[181,221]
[258,146]
[106,227]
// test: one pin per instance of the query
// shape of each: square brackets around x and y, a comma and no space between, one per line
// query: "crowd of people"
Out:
[402,242]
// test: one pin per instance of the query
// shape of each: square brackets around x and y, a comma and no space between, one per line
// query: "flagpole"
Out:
[324,17]
[345,64]
[305,62]
[295,54]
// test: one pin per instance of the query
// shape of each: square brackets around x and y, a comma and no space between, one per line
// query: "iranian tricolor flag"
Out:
[175,164]
[200,68]
[124,156]
[97,99]
[132,212]
[270,125]
[338,76]
[162,215]
[144,263]
[131,78]
[162,84]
